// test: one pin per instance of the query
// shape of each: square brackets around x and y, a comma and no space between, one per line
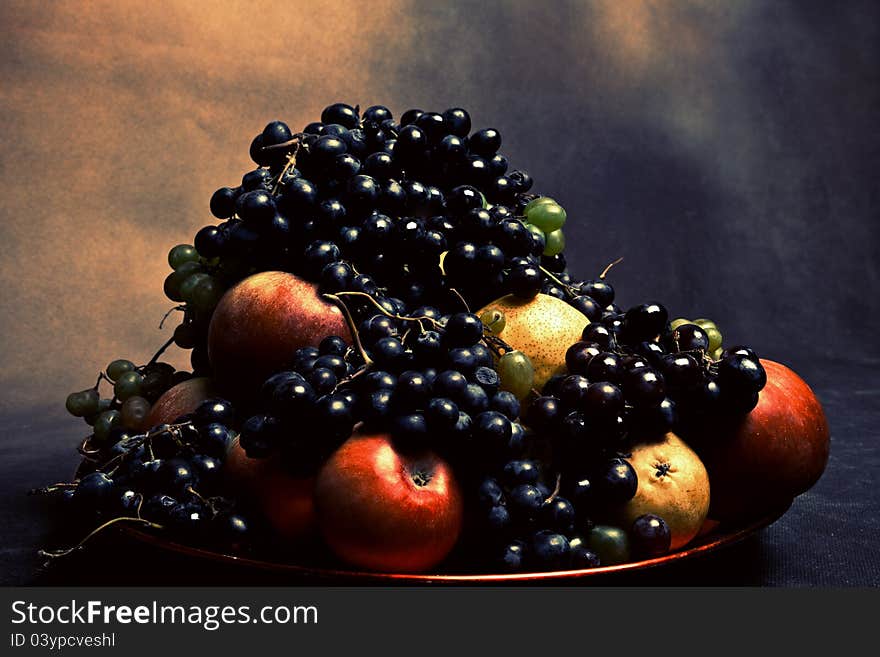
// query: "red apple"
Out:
[385,510]
[181,399]
[259,324]
[770,456]
[286,502]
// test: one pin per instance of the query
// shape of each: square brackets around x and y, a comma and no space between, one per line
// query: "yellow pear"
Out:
[543,328]
[673,484]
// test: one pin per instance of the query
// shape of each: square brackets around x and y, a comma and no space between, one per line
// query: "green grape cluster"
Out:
[547,216]
[135,388]
[711,330]
[191,282]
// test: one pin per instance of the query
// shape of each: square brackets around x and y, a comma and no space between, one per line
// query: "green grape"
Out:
[187,287]
[516,373]
[82,403]
[119,367]
[105,423]
[611,544]
[134,412]
[182,253]
[206,294]
[535,202]
[103,405]
[176,278]
[680,321]
[549,217]
[494,320]
[555,243]
[128,385]
[717,353]
[714,336]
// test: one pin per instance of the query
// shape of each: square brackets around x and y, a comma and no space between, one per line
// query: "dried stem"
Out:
[608,268]
[565,286]
[351,326]
[54,554]
[422,318]
[161,351]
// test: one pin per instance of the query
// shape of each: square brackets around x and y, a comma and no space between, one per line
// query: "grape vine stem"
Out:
[351,326]
[565,286]
[161,351]
[54,554]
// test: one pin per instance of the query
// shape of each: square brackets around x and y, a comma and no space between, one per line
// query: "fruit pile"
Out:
[392,365]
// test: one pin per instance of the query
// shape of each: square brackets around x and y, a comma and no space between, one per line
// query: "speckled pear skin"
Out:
[543,328]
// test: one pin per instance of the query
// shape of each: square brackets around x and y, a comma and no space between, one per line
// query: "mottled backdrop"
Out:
[727,150]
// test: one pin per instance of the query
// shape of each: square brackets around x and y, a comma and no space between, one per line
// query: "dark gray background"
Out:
[728,151]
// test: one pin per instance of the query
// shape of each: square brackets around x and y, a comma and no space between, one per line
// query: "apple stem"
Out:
[608,268]
[54,554]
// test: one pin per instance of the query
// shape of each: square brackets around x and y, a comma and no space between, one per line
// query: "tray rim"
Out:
[714,540]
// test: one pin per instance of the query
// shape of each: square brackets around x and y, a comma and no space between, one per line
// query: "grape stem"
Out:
[351,325]
[608,268]
[45,490]
[193,491]
[498,346]
[565,286]
[291,162]
[168,314]
[54,554]
[85,450]
[295,140]
[460,298]
[161,351]
[101,377]
[433,322]
[556,489]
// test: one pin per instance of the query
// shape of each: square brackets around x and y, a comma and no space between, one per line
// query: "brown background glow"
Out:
[721,148]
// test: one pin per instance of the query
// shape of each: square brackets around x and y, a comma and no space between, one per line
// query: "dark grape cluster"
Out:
[406,211]
[428,380]
[168,477]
